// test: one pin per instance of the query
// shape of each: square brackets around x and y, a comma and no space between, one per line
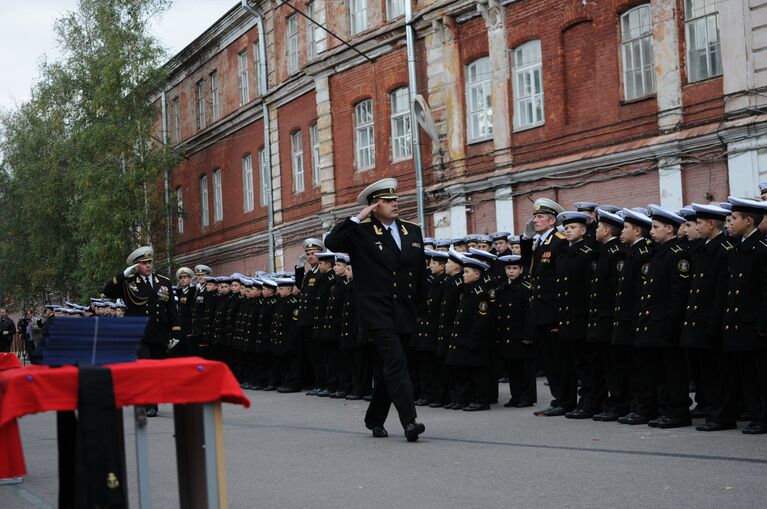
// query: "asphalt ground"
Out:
[295,451]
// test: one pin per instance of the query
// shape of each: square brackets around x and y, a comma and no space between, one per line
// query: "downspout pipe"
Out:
[166,178]
[413,89]
[262,86]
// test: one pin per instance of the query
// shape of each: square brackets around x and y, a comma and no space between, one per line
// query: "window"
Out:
[395,8]
[218,204]
[478,97]
[364,142]
[636,46]
[314,139]
[242,61]
[297,158]
[200,97]
[316,35]
[247,183]
[214,96]
[358,15]
[180,210]
[528,86]
[701,19]
[401,146]
[176,119]
[292,35]
[257,69]
[263,177]
[204,210]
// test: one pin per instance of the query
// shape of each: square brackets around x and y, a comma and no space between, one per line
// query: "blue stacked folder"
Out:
[95,340]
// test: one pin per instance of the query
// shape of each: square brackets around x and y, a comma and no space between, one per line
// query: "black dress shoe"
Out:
[313,392]
[412,431]
[555,411]
[698,412]
[421,402]
[753,429]
[436,404]
[633,419]
[380,432]
[655,423]
[288,390]
[151,412]
[257,387]
[608,417]
[525,404]
[715,426]
[579,413]
[339,395]
[324,393]
[676,422]
[476,407]
[367,397]
[353,397]
[509,404]
[270,388]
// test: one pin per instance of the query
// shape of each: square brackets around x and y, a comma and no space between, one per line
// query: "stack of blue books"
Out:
[94,340]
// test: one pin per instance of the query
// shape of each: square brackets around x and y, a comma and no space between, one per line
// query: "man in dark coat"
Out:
[185,296]
[7,331]
[389,278]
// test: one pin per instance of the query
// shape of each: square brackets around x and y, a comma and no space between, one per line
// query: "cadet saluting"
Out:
[389,273]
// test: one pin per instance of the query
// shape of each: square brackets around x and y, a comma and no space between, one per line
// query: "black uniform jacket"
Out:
[325,282]
[307,297]
[447,309]
[663,297]
[634,272]
[515,333]
[428,325]
[745,308]
[470,340]
[702,327]
[286,336]
[155,301]
[573,279]
[543,276]
[604,287]
[349,335]
[389,283]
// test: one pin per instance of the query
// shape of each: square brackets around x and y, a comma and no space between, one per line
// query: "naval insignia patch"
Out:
[483,308]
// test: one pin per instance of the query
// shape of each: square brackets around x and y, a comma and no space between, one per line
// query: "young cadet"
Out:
[425,340]
[590,208]
[604,288]
[573,270]
[261,340]
[339,379]
[354,345]
[210,304]
[241,327]
[514,338]
[184,295]
[327,377]
[460,245]
[450,296]
[468,352]
[286,338]
[745,327]
[662,364]
[220,327]
[702,326]
[306,281]
[622,400]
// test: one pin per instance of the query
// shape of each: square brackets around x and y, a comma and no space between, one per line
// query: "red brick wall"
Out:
[481,216]
[705,182]
[346,90]
[226,155]
[299,114]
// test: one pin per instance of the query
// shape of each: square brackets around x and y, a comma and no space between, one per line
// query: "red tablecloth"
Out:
[41,388]
[9,361]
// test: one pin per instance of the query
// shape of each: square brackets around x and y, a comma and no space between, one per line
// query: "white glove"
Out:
[5,333]
[130,270]
[529,230]
[301,261]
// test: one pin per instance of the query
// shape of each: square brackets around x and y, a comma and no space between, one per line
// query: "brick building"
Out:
[615,101]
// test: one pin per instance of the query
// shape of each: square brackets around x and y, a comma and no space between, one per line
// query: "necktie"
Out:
[389,229]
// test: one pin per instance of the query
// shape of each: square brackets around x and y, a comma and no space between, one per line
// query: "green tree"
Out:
[82,166]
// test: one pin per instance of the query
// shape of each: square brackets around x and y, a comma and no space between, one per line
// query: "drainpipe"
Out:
[166,178]
[413,88]
[262,85]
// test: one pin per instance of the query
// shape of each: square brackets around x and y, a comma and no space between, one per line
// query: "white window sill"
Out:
[528,127]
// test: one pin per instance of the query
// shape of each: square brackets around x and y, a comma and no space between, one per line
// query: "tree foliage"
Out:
[81,176]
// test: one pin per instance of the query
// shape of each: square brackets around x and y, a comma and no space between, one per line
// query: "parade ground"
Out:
[290,450]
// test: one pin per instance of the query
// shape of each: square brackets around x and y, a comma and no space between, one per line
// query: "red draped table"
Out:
[195,386]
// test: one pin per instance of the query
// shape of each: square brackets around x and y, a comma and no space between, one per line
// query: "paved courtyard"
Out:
[294,451]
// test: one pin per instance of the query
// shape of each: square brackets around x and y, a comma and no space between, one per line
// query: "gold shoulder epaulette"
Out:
[560,235]
[586,249]
[366,220]
[645,250]
[726,244]
[614,249]
[527,285]
[676,249]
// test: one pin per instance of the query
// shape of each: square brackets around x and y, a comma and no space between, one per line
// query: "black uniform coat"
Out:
[349,335]
[447,309]
[543,276]
[389,282]
[155,301]
[261,335]
[604,287]
[7,331]
[573,279]
[211,305]
[469,343]
[331,323]
[428,325]
[702,327]
[307,297]
[634,272]
[220,327]
[185,301]
[198,311]
[745,309]
[286,336]
[515,332]
[663,297]
[242,321]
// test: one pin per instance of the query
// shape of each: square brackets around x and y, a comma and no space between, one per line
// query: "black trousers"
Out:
[441,380]
[521,374]
[753,381]
[426,361]
[596,362]
[314,351]
[620,377]
[727,404]
[471,385]
[152,351]
[645,387]
[392,380]
[559,366]
[330,364]
[705,370]
[262,369]
[362,373]
[583,355]
[345,367]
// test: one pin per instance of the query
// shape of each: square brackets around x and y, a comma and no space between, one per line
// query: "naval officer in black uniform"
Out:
[389,276]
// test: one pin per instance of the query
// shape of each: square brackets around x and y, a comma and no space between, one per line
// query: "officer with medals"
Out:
[662,365]
[389,277]
[307,271]
[198,309]
[147,293]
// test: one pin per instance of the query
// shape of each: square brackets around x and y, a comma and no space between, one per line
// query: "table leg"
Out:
[142,457]
[200,456]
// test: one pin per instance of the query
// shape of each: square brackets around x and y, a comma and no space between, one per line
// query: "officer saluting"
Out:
[389,278]
[147,293]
